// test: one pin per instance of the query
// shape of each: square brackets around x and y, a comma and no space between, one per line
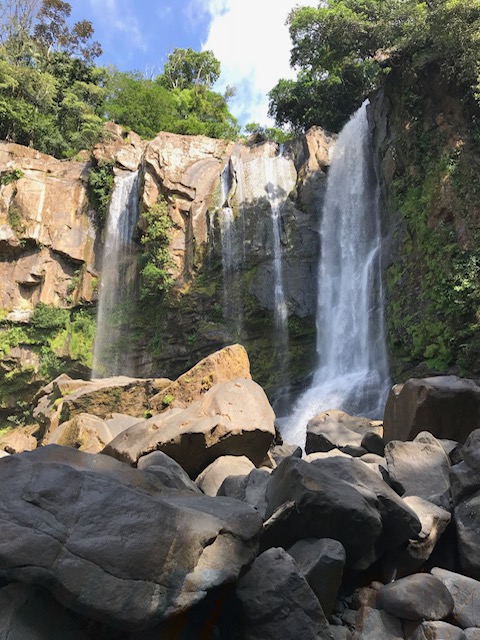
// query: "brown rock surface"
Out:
[232,418]
[227,364]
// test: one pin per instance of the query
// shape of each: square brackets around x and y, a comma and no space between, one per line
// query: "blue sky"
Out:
[249,37]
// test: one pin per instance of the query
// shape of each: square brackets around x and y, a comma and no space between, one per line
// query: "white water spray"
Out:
[116,295]
[353,372]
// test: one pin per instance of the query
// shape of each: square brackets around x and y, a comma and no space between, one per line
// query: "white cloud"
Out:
[251,40]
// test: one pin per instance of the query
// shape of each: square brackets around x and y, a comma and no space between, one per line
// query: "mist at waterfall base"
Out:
[352,373]
[112,354]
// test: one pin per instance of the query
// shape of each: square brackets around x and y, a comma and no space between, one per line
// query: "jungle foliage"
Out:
[54,98]
[342,48]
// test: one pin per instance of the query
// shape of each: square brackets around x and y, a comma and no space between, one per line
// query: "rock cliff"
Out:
[426,137]
[51,254]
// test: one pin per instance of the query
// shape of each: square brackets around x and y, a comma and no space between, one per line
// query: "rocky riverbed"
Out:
[150,508]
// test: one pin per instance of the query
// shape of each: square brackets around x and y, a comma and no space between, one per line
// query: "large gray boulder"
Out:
[466,596]
[420,596]
[119,551]
[446,406]
[164,469]
[250,489]
[339,498]
[335,429]
[321,562]
[467,521]
[278,603]
[232,418]
[434,630]
[373,624]
[419,468]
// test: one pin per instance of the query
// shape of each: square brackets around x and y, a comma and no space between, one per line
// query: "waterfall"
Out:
[278,186]
[232,308]
[112,355]
[352,373]
[270,179]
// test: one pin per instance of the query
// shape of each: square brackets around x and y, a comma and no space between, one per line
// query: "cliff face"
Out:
[50,255]
[426,136]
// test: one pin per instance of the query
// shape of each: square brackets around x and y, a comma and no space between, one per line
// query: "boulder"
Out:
[281,451]
[471,450]
[64,398]
[412,557]
[336,428]
[321,563]
[464,481]
[104,396]
[30,613]
[466,515]
[446,406]
[18,439]
[372,624]
[230,363]
[278,603]
[373,443]
[211,478]
[84,432]
[434,630]
[419,468]
[233,418]
[109,544]
[472,633]
[417,597]
[321,455]
[250,489]
[119,422]
[339,498]
[466,596]
[167,471]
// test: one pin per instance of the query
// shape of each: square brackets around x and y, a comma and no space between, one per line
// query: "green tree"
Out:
[186,68]
[140,104]
[51,94]
[342,48]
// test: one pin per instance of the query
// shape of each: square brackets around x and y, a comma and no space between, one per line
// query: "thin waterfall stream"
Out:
[112,352]
[271,178]
[352,372]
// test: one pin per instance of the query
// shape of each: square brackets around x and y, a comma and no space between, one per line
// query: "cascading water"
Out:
[278,186]
[271,178]
[117,287]
[353,371]
[232,307]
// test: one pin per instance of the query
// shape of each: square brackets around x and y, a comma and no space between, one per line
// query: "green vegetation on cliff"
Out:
[54,341]
[433,282]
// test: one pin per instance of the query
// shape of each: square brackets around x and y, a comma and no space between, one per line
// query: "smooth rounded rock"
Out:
[417,597]
[466,596]
[471,450]
[211,478]
[278,603]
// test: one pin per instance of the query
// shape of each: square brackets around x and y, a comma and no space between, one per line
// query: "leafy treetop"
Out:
[342,48]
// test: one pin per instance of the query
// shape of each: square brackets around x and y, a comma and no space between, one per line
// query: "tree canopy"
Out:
[54,98]
[342,48]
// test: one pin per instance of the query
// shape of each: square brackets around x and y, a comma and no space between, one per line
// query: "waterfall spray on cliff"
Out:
[117,287]
[352,373]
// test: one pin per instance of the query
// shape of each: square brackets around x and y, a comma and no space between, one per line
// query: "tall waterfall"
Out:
[352,372]
[271,178]
[112,355]
[231,260]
